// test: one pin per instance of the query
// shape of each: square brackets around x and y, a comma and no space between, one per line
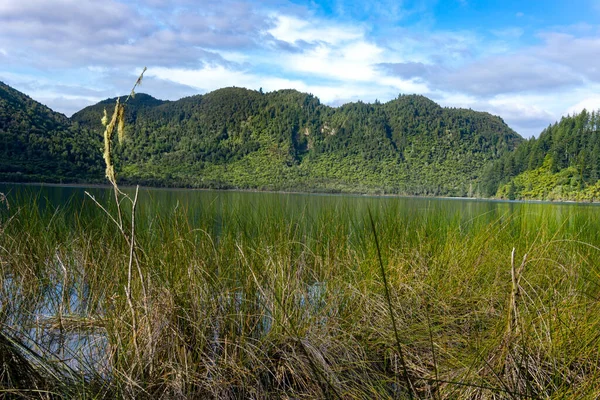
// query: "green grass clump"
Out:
[261,298]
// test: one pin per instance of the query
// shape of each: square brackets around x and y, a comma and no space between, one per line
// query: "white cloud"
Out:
[338,52]
[343,56]
[208,78]
[581,54]
[222,43]
[353,61]
[523,113]
[338,64]
[331,92]
[589,103]
[527,114]
[236,56]
[291,29]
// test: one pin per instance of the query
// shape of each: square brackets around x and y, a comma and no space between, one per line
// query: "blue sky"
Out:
[528,61]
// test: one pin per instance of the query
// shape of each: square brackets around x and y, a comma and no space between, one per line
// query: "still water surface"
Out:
[294,206]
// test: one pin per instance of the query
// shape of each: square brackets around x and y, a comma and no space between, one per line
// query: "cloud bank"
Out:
[71,53]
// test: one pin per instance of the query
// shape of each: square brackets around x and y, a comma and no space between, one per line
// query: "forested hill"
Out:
[287,140]
[562,164]
[283,140]
[38,144]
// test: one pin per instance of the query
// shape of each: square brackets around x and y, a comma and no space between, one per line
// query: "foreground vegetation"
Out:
[290,302]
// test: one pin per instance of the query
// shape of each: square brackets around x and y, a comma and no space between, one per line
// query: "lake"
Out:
[297,207]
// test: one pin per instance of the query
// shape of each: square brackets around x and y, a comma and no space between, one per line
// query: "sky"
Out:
[530,62]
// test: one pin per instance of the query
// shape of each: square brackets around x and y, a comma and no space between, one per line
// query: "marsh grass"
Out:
[264,302]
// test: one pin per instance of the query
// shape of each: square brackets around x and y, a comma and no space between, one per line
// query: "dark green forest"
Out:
[287,140]
[40,145]
[563,163]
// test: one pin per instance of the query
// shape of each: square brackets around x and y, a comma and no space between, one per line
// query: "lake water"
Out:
[293,206]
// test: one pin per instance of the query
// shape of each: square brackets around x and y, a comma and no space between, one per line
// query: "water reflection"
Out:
[221,204]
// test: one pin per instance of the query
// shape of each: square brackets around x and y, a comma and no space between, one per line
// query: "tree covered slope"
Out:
[563,163]
[38,144]
[239,138]
[287,140]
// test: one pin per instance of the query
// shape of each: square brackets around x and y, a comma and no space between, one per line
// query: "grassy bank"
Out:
[266,301]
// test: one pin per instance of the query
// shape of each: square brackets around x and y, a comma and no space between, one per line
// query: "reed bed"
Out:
[261,301]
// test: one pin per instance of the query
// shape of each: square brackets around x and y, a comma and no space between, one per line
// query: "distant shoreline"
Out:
[317,193]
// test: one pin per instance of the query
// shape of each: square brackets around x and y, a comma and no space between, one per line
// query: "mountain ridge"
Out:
[563,163]
[287,140]
[38,144]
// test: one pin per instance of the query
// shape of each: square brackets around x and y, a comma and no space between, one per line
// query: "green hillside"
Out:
[239,138]
[38,144]
[562,164]
[287,140]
